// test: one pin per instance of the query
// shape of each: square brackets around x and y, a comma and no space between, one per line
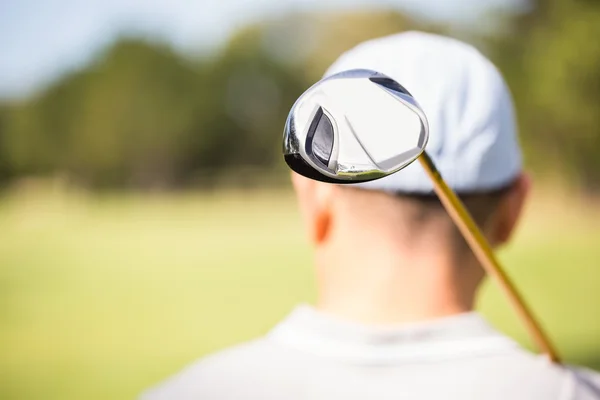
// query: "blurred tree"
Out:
[247,96]
[121,120]
[5,171]
[551,58]
[135,117]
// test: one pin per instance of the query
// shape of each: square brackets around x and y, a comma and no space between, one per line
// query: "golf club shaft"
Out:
[485,254]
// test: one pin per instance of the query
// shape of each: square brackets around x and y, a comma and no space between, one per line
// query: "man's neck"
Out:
[395,289]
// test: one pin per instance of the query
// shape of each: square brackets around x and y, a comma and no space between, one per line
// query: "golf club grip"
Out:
[485,254]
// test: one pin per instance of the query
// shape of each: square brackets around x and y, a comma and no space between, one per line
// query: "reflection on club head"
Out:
[354,126]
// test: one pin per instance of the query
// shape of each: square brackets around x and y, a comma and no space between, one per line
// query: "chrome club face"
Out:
[354,126]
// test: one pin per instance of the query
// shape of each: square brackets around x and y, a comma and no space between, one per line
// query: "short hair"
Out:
[481,205]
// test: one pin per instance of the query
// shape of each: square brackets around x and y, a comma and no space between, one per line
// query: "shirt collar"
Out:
[311,331]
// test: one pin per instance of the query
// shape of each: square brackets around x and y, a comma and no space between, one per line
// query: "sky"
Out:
[41,39]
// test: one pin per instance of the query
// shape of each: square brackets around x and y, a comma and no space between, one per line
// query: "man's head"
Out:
[473,142]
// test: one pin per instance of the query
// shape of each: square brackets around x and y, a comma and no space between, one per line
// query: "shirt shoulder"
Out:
[563,382]
[228,374]
[584,384]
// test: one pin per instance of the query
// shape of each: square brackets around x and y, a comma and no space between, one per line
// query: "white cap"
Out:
[472,129]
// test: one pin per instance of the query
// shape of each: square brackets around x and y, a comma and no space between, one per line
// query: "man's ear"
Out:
[314,199]
[511,208]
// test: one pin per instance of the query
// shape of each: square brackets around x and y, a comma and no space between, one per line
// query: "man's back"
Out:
[312,356]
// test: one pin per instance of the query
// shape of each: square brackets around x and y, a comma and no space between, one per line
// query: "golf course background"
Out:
[103,296]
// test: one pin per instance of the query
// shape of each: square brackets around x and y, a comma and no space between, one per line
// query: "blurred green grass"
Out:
[103,296]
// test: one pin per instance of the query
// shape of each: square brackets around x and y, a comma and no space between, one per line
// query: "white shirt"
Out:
[315,356]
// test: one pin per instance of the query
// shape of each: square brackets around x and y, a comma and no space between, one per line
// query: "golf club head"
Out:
[355,126]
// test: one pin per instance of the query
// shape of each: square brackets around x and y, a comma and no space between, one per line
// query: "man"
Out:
[396,282]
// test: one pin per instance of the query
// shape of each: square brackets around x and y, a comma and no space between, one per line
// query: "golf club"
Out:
[360,125]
